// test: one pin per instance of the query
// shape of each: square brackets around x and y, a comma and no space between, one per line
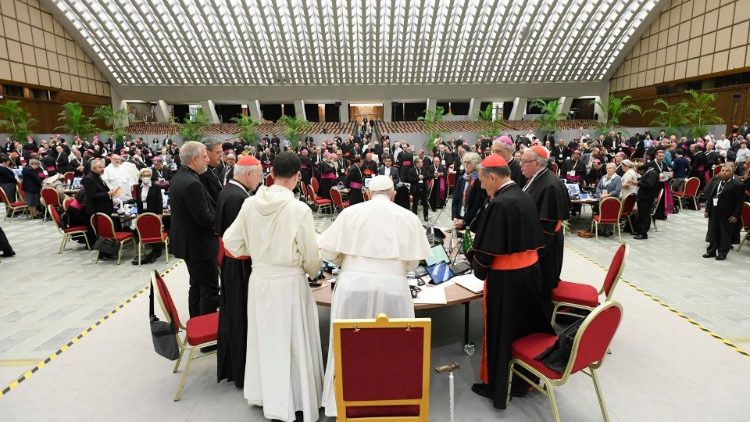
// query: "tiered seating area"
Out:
[270,128]
[475,126]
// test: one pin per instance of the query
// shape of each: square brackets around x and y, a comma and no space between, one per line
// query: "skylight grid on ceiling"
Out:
[335,42]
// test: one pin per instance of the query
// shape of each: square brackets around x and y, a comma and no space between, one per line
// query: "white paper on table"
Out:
[432,295]
[470,283]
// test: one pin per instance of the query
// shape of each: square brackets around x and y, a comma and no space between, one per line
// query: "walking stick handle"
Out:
[447,368]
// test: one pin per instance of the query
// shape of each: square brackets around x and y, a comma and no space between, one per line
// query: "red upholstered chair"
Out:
[690,190]
[66,202]
[609,214]
[653,209]
[320,203]
[569,294]
[199,332]
[68,177]
[338,202]
[451,181]
[303,189]
[745,223]
[382,369]
[553,167]
[50,197]
[717,170]
[105,227]
[13,205]
[149,228]
[589,349]
[366,195]
[69,233]
[314,184]
[628,205]
[20,192]
[269,180]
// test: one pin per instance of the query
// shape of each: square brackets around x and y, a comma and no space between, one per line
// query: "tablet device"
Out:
[573,189]
[439,273]
[367,182]
[438,255]
[584,196]
[76,182]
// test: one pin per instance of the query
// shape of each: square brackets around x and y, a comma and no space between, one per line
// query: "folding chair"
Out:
[338,202]
[201,331]
[589,349]
[690,190]
[70,232]
[610,210]
[50,197]
[148,225]
[105,227]
[320,203]
[13,206]
[382,369]
[745,223]
[314,184]
[569,294]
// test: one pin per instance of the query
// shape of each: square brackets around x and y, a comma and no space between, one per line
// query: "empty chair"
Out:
[690,190]
[104,227]
[338,202]
[588,351]
[50,197]
[628,205]
[609,214]
[569,294]
[314,184]
[320,203]
[14,206]
[382,369]
[201,331]
[69,233]
[148,225]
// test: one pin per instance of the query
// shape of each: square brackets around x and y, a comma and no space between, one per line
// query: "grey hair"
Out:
[211,142]
[472,157]
[190,150]
[497,144]
[143,170]
[34,161]
[245,170]
[611,164]
[97,161]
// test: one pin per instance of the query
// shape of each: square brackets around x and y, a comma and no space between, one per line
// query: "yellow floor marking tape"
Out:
[41,364]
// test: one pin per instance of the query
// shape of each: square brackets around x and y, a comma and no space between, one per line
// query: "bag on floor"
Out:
[163,333]
[556,357]
[106,246]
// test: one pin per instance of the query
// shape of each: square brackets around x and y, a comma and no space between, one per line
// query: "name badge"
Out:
[560,156]
[443,162]
[716,201]
[572,173]
[145,206]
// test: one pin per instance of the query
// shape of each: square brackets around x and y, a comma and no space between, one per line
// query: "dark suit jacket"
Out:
[154,202]
[729,200]
[413,178]
[97,195]
[393,173]
[193,211]
[475,203]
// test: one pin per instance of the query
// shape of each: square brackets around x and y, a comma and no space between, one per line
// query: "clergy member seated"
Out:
[373,274]
[148,199]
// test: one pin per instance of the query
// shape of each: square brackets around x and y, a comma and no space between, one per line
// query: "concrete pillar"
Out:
[475,106]
[254,108]
[432,104]
[119,104]
[598,111]
[387,110]
[162,112]
[519,108]
[602,98]
[209,110]
[299,109]
[564,105]
[344,111]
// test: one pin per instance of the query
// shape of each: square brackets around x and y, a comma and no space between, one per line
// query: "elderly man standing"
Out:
[212,178]
[505,256]
[284,365]
[192,235]
[235,274]
[553,206]
[373,274]
[503,146]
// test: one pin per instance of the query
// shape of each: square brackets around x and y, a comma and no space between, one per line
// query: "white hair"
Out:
[245,170]
[190,150]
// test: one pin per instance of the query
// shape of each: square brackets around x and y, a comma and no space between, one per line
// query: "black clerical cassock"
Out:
[505,256]
[235,275]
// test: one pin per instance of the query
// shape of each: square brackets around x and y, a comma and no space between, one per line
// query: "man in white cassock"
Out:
[376,243]
[284,364]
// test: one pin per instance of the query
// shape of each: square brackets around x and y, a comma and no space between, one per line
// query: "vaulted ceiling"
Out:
[354,42]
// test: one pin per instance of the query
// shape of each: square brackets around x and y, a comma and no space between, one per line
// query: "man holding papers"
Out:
[374,262]
[504,254]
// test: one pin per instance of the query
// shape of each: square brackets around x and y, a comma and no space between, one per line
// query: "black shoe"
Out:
[641,237]
[482,390]
[103,257]
[208,349]
[519,390]
[8,254]
[721,257]
[709,255]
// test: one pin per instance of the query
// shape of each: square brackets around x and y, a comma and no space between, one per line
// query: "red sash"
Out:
[355,185]
[328,176]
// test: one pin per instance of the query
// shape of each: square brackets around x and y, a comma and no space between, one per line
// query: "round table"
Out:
[454,295]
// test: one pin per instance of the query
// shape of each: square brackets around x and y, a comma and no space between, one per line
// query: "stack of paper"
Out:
[432,295]
[470,283]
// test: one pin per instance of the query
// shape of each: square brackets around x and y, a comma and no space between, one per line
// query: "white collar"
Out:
[238,184]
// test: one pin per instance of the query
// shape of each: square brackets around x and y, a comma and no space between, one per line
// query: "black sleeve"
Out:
[739,199]
[200,208]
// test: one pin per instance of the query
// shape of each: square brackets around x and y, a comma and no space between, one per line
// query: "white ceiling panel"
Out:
[354,42]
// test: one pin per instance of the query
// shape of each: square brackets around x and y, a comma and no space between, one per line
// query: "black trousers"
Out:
[203,296]
[419,196]
[4,243]
[644,215]
[720,234]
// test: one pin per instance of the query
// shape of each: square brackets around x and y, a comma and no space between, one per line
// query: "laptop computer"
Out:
[438,255]
[573,189]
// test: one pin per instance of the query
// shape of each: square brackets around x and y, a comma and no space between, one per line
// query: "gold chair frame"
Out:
[746,225]
[69,235]
[694,197]
[22,209]
[141,245]
[182,344]
[558,305]
[120,243]
[549,383]
[382,321]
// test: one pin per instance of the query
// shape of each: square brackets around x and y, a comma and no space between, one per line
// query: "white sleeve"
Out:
[234,236]
[307,245]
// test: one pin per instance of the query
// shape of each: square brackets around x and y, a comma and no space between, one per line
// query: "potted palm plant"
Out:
[672,117]
[192,129]
[431,119]
[114,121]
[247,128]
[74,121]
[15,120]
[293,128]
[616,107]
[491,126]
[701,112]
[549,115]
